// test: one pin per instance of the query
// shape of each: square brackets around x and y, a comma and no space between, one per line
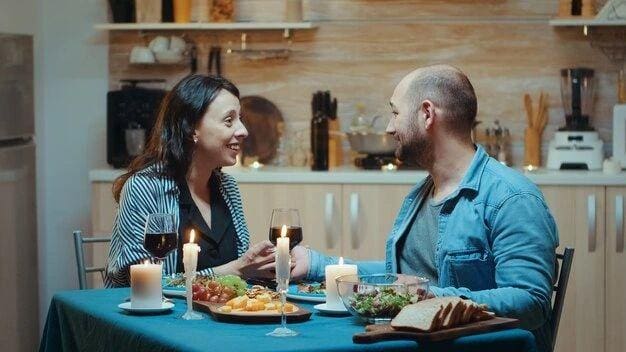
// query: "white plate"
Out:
[165,306]
[306,298]
[322,308]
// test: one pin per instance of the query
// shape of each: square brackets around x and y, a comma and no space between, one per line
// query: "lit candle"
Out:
[145,285]
[282,258]
[256,165]
[333,272]
[389,167]
[190,254]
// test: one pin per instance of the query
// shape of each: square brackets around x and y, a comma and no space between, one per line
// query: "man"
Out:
[474,227]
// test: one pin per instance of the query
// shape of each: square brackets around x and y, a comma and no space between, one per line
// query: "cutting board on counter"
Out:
[384,332]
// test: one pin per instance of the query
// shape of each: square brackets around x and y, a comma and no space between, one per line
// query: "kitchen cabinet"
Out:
[320,211]
[615,321]
[348,220]
[579,214]
[368,215]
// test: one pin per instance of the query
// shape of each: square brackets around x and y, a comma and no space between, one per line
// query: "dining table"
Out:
[90,320]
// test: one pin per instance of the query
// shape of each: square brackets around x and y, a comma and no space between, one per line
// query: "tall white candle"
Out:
[333,301]
[145,285]
[190,254]
[282,258]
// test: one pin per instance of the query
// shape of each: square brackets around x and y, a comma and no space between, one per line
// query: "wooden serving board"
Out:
[299,315]
[384,332]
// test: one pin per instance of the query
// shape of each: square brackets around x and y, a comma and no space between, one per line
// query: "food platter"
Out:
[267,316]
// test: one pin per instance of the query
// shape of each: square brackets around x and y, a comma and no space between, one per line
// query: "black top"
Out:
[218,244]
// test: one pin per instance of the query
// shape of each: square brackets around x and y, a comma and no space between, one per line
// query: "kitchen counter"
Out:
[348,175]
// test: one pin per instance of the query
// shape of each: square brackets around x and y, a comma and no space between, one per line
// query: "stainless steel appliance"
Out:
[18,213]
[131,113]
[577,145]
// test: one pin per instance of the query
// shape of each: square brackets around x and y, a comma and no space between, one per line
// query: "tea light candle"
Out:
[282,258]
[190,254]
[145,285]
[256,165]
[389,167]
[333,272]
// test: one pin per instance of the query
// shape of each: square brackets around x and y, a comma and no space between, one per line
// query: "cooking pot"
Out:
[373,143]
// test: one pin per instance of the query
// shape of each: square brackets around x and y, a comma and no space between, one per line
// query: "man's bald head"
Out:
[449,89]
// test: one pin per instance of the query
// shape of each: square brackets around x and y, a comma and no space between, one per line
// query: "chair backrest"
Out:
[79,240]
[559,290]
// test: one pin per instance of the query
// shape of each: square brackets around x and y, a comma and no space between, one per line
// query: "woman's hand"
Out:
[257,262]
[300,260]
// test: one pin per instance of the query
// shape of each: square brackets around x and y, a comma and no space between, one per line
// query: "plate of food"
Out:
[308,292]
[217,289]
[257,305]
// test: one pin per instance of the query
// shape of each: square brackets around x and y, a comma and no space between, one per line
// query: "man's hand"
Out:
[257,262]
[300,260]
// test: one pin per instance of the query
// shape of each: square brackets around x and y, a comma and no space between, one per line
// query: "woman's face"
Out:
[220,131]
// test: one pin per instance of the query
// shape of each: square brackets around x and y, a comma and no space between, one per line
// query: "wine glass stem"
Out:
[283,300]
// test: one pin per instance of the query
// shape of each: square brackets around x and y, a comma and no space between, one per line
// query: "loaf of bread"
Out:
[439,313]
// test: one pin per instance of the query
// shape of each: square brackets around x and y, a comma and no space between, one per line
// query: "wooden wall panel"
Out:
[361,49]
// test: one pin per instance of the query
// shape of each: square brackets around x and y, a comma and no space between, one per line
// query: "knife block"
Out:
[335,145]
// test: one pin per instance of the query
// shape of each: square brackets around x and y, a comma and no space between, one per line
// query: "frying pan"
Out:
[265,123]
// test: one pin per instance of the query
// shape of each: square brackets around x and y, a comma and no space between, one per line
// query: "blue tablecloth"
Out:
[91,321]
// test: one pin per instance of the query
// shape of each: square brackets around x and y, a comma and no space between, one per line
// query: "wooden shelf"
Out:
[590,22]
[204,26]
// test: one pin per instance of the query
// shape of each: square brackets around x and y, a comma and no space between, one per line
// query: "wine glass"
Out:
[284,226]
[160,235]
[289,218]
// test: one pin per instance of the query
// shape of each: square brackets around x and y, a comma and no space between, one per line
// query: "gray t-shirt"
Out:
[417,248]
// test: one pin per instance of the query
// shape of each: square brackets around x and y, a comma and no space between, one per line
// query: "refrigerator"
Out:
[19,321]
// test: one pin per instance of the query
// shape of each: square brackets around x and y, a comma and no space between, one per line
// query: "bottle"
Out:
[319,141]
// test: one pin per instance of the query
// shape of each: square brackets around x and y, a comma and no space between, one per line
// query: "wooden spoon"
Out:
[528,103]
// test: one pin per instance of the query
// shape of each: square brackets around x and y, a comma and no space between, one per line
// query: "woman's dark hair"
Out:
[170,146]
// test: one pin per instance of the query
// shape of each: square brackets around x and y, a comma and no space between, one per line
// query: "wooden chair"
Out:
[79,241]
[559,289]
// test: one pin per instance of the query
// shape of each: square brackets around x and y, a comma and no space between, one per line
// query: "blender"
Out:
[577,144]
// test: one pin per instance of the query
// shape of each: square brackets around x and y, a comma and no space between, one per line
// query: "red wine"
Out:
[160,244]
[293,232]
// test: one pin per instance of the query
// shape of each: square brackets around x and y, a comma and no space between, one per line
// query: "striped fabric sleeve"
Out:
[136,202]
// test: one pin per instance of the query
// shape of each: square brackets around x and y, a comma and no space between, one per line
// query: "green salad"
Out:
[385,302]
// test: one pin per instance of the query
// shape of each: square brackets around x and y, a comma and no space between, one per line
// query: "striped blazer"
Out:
[146,193]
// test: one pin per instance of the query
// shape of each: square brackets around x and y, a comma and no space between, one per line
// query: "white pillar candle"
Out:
[282,258]
[190,254]
[332,272]
[145,285]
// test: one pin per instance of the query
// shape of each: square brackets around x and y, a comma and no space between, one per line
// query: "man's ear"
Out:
[428,109]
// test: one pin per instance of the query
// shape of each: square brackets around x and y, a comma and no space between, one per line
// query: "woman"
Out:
[198,130]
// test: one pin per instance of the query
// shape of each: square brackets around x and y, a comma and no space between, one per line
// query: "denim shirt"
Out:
[497,242]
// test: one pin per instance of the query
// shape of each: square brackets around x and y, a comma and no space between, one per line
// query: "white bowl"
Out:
[168,57]
[159,44]
[177,44]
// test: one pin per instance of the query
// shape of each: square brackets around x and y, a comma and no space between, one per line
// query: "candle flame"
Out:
[283,231]
[340,260]
[192,235]
[146,262]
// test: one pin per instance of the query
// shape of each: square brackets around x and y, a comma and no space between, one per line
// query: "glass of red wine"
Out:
[289,218]
[160,235]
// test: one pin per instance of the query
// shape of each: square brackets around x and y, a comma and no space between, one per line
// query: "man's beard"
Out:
[417,149]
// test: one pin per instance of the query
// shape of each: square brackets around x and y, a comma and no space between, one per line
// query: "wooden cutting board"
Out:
[299,315]
[378,333]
